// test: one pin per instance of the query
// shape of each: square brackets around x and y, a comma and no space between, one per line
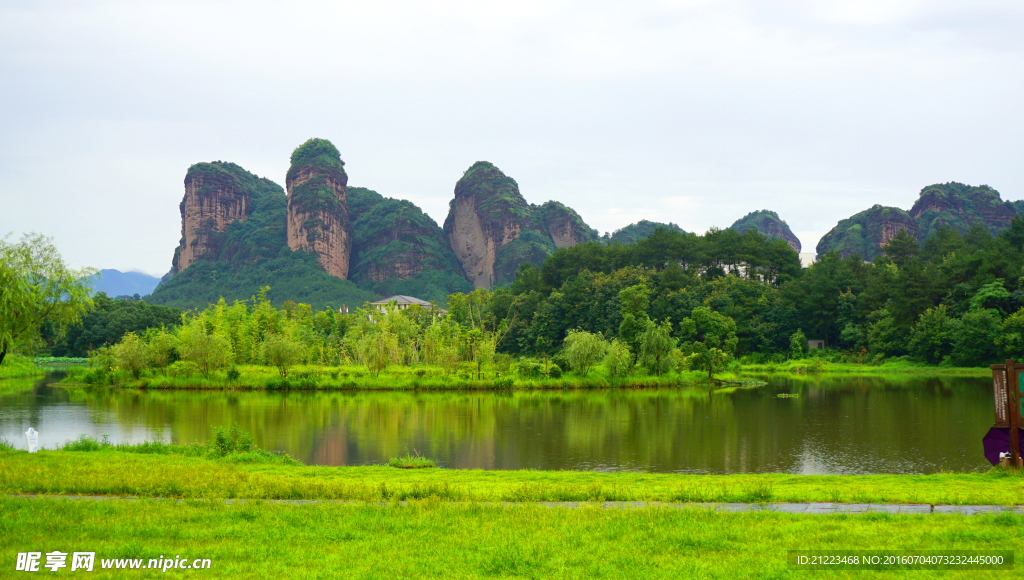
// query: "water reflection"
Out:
[833,425]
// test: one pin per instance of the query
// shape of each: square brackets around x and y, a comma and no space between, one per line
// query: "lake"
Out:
[834,424]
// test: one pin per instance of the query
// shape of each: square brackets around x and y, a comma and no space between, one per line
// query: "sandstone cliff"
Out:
[866,232]
[565,227]
[398,249]
[490,227]
[318,219]
[769,224]
[961,206]
[216,194]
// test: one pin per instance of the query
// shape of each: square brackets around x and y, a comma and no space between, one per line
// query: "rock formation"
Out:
[565,227]
[398,249]
[318,220]
[216,194]
[865,233]
[484,219]
[961,206]
[953,205]
[769,224]
[636,232]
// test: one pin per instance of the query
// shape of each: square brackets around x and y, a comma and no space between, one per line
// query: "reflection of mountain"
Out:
[331,448]
[839,425]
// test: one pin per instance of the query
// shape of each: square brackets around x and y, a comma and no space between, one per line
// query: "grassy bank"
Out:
[431,539]
[817,366]
[423,377]
[420,377]
[155,470]
[15,366]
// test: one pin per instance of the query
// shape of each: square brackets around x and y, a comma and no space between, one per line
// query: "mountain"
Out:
[118,283]
[318,219]
[769,224]
[235,241]
[398,249]
[492,229]
[952,204]
[636,232]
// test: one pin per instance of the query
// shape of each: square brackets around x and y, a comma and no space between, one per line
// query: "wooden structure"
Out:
[1006,389]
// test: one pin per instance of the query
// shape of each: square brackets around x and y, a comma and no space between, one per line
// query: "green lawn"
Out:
[436,539]
[117,472]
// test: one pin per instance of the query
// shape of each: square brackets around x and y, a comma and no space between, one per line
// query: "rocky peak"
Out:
[216,194]
[961,206]
[487,213]
[318,219]
[563,224]
[866,232]
[769,224]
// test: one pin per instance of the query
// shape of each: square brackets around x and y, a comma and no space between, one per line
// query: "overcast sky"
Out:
[692,112]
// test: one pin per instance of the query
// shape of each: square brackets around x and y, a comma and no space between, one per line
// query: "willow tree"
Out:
[36,286]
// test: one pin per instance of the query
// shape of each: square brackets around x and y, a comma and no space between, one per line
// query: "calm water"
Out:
[836,425]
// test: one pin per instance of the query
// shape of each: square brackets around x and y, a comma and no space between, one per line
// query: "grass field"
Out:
[436,539]
[196,472]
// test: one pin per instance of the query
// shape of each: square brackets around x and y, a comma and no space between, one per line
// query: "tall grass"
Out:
[15,366]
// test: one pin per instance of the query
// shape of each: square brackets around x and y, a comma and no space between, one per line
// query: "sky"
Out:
[692,112]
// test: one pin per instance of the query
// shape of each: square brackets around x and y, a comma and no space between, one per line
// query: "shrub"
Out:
[530,370]
[619,360]
[583,349]
[235,440]
[555,371]
[183,369]
[233,374]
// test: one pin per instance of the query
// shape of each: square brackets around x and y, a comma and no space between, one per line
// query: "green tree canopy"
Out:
[36,286]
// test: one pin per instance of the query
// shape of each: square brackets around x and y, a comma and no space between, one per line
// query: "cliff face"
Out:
[769,224]
[318,219]
[216,194]
[636,232]
[961,206]
[866,232]
[953,205]
[565,227]
[486,224]
[398,249]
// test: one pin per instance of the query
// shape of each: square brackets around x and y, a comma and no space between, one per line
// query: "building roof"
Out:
[403,300]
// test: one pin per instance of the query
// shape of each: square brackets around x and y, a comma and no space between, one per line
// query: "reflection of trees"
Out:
[836,421]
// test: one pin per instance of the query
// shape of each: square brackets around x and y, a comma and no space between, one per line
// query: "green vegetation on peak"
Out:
[636,232]
[865,233]
[561,220]
[960,206]
[398,249]
[496,193]
[768,223]
[317,152]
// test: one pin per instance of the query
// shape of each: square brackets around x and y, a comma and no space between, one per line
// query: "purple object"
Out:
[997,441]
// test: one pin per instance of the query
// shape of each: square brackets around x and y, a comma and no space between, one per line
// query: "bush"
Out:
[555,371]
[225,442]
[530,370]
[183,369]
[233,374]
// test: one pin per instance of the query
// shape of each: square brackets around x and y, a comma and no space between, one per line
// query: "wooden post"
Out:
[1013,390]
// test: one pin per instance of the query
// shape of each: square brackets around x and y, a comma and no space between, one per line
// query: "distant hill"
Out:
[952,205]
[636,232]
[769,224]
[118,283]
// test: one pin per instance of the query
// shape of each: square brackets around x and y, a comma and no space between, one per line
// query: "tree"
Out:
[656,345]
[209,352]
[797,344]
[132,353]
[36,286]
[714,339]
[282,353]
[633,307]
[583,349]
[619,360]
